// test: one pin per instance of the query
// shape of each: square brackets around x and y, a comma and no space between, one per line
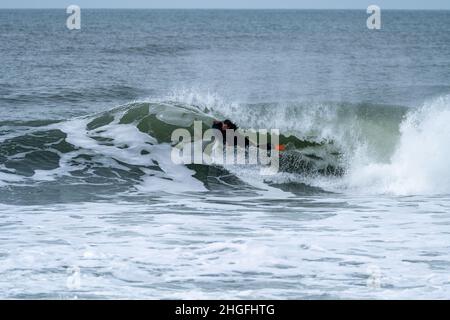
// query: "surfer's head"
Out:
[227,124]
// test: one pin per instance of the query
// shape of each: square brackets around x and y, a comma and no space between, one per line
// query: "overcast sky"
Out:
[294,4]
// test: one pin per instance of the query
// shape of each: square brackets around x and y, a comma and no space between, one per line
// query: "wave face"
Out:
[358,148]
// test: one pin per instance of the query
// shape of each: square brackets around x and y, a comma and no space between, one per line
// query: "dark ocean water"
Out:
[252,56]
[91,205]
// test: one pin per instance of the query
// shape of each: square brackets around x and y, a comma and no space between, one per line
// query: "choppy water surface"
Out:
[211,247]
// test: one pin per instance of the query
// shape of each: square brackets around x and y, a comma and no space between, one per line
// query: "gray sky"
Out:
[300,4]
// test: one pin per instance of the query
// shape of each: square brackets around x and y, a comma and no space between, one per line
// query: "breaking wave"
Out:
[337,147]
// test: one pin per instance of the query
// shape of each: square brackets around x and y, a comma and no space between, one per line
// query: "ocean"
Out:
[93,207]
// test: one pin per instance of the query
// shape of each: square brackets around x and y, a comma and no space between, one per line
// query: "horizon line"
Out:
[157,8]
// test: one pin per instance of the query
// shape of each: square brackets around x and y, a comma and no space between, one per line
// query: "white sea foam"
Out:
[331,246]
[419,164]
[128,144]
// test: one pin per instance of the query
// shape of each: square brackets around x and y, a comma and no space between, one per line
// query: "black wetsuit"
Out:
[219,126]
